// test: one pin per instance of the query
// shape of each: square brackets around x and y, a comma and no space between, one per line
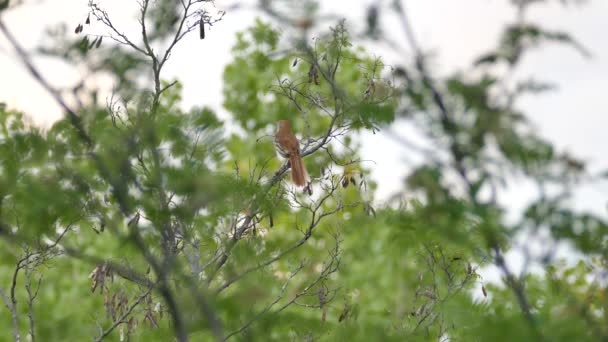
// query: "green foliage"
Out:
[165,227]
[518,38]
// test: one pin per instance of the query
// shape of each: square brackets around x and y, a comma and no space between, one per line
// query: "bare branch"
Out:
[103,16]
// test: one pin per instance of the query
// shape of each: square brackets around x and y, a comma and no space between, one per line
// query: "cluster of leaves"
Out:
[152,198]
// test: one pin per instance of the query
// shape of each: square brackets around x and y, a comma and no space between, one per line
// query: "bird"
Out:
[287,146]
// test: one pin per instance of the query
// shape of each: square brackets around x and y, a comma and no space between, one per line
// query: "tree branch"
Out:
[450,127]
[13,310]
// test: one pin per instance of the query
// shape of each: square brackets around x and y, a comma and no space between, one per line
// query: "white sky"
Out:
[573,117]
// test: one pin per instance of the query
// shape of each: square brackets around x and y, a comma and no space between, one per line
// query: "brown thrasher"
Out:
[287,146]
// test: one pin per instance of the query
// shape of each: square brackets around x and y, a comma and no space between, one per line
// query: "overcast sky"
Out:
[573,117]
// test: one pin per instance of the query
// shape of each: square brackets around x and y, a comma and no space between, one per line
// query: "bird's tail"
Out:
[299,176]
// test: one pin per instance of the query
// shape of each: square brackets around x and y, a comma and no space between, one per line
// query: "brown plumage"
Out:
[287,146]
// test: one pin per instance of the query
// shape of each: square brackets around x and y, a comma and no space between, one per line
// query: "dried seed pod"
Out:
[372,20]
[313,74]
[98,42]
[295,62]
[400,72]
[78,29]
[93,43]
[345,182]
[369,210]
[321,296]
[88,21]
[310,73]
[352,180]
[304,23]
[134,221]
[322,300]
[483,290]
[132,323]
[201,27]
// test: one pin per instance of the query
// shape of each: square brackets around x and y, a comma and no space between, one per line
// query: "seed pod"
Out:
[372,20]
[201,27]
[88,21]
[304,23]
[321,296]
[483,289]
[98,42]
[345,182]
[313,74]
[134,221]
[295,62]
[310,73]
[92,43]
[400,72]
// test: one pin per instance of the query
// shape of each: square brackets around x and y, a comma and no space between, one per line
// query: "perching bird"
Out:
[287,146]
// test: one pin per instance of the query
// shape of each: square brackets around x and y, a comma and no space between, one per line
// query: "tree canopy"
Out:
[136,218]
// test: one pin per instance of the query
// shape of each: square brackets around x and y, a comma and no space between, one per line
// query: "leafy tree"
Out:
[139,218]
